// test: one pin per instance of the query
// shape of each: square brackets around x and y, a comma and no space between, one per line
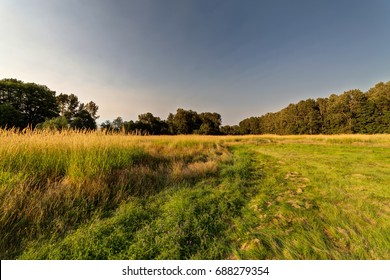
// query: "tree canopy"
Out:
[29,104]
[350,112]
[183,122]
[36,106]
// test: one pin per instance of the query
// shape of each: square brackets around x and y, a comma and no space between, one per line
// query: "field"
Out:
[94,196]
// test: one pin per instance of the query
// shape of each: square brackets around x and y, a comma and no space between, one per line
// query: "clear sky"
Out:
[239,58]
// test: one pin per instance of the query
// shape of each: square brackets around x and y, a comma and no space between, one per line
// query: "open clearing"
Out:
[94,196]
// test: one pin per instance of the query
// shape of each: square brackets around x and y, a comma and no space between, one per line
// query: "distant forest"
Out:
[350,112]
[30,105]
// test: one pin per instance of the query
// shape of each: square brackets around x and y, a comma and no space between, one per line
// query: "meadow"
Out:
[91,195]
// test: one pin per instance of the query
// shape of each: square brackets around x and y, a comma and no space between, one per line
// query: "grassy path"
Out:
[319,202]
[186,221]
[94,196]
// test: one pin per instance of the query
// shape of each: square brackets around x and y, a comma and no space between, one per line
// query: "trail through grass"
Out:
[187,221]
[320,202]
[94,196]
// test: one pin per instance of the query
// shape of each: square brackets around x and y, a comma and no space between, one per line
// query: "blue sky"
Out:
[239,58]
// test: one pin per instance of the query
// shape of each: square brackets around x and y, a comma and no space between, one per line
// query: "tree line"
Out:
[36,106]
[350,112]
[183,122]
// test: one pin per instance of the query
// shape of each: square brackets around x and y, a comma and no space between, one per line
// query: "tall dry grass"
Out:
[51,182]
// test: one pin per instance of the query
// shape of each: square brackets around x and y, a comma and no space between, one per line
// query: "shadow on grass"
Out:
[190,218]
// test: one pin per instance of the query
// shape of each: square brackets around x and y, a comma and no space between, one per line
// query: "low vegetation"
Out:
[321,198]
[91,195]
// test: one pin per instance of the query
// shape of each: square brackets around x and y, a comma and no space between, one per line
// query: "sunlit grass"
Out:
[320,202]
[51,183]
[91,195]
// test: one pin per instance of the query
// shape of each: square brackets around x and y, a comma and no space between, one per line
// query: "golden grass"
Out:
[53,181]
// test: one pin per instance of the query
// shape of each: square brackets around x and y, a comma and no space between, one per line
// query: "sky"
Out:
[240,58]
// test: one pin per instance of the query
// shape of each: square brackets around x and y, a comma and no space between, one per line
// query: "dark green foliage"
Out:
[380,96]
[351,112]
[32,103]
[9,116]
[183,122]
[58,123]
[149,124]
[251,125]
[92,109]
[230,130]
[28,104]
[210,123]
[347,113]
[107,125]
[83,120]
[117,124]
[68,105]
[78,115]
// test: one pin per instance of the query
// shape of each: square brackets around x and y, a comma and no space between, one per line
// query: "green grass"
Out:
[95,196]
[320,202]
[185,221]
